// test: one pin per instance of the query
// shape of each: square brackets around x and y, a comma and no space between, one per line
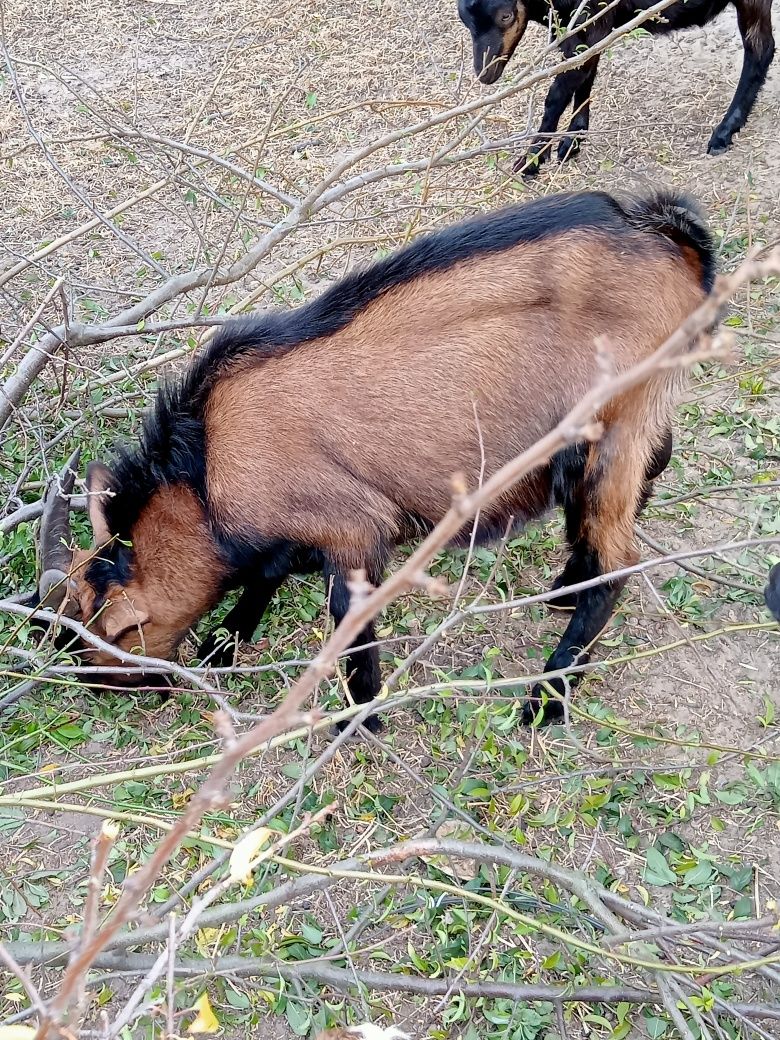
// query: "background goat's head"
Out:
[496,27]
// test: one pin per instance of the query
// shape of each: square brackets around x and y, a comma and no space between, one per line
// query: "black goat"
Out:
[497,26]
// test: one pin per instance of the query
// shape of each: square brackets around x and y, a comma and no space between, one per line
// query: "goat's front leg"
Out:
[570,144]
[559,96]
[241,621]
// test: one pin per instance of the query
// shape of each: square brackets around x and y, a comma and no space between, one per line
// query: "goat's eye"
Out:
[506,18]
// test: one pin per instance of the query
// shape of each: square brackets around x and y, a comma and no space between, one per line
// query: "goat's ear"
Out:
[122,615]
[99,481]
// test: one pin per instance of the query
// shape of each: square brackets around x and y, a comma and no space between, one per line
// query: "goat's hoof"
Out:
[216,653]
[568,148]
[529,165]
[541,700]
[164,697]
[720,142]
[164,687]
[373,724]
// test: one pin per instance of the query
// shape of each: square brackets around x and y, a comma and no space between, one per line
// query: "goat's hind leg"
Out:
[568,478]
[602,487]
[755,24]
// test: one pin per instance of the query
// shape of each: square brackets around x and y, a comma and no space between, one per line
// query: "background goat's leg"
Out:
[570,144]
[559,96]
[755,24]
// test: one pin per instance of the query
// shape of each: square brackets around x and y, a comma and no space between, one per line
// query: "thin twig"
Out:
[28,985]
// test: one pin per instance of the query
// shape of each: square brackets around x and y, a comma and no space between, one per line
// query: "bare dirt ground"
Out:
[216,102]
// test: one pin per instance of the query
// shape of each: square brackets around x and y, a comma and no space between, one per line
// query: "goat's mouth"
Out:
[58,591]
[490,71]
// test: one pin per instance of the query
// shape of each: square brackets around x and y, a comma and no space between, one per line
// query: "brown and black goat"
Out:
[498,26]
[319,438]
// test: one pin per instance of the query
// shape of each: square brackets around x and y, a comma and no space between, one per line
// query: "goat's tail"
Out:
[679,218]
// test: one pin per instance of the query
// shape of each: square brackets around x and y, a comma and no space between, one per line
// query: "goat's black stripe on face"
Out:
[111,565]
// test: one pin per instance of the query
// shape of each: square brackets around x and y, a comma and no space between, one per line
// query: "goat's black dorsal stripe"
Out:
[172,445]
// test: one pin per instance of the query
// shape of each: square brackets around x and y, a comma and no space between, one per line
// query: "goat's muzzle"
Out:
[490,73]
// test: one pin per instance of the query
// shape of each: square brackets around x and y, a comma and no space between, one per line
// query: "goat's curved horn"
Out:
[55,534]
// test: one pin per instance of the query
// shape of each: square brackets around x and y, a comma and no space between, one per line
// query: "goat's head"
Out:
[496,27]
[139,591]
